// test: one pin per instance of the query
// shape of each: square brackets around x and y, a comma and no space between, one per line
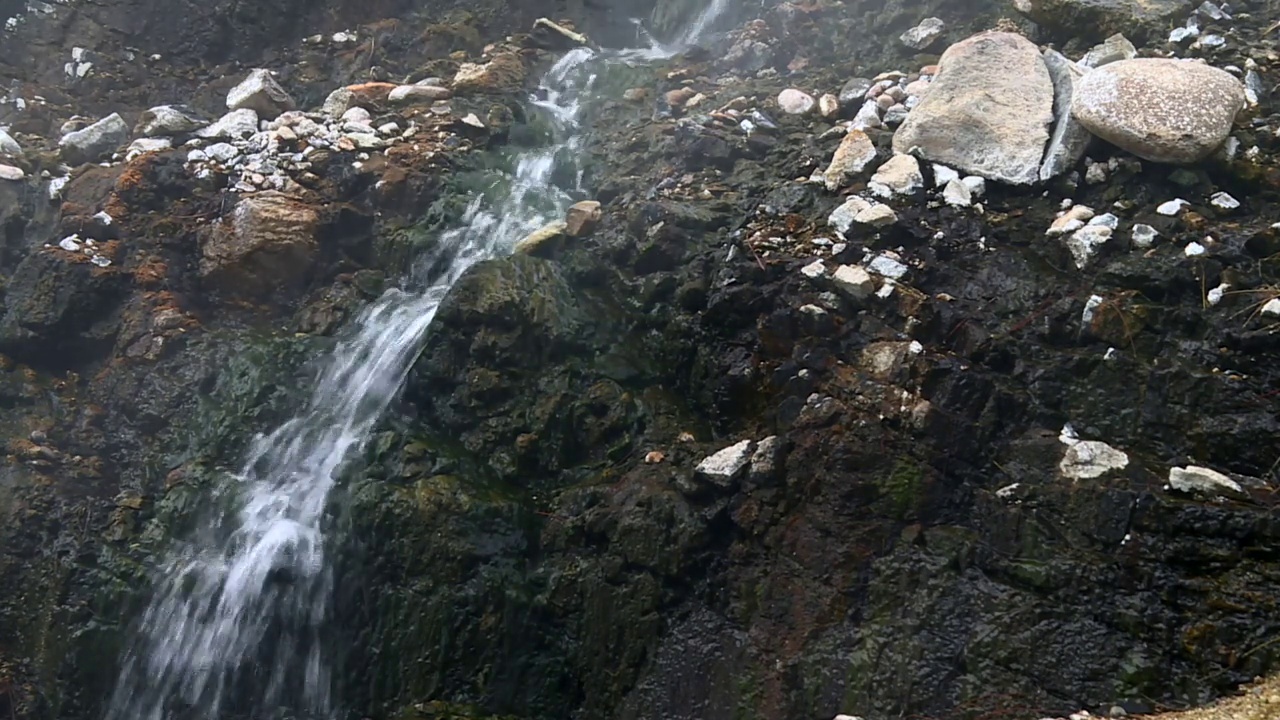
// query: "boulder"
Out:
[1070,139]
[164,120]
[260,92]
[95,141]
[582,218]
[419,93]
[987,113]
[544,242]
[236,124]
[796,102]
[267,241]
[1097,19]
[923,35]
[1172,111]
[11,173]
[727,465]
[9,146]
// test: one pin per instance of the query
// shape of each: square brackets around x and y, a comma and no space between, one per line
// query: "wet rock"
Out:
[582,218]
[796,102]
[261,93]
[419,93]
[1161,110]
[727,465]
[1143,236]
[988,111]
[504,73]
[59,311]
[855,153]
[9,146]
[1070,139]
[1203,481]
[95,141]
[267,242]
[165,120]
[923,35]
[1099,18]
[235,125]
[546,242]
[900,175]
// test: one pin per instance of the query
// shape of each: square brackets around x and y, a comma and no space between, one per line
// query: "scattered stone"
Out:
[795,102]
[9,146]
[1070,221]
[767,461]
[853,282]
[814,270]
[95,141]
[1106,220]
[854,91]
[165,120]
[957,194]
[977,185]
[1181,34]
[235,125]
[899,176]
[855,152]
[987,113]
[888,265]
[943,175]
[1084,242]
[1171,208]
[338,102]
[828,105]
[1194,249]
[1069,140]
[261,93]
[11,173]
[222,153]
[923,35]
[504,73]
[725,466]
[877,216]
[1271,307]
[1144,236]
[1101,16]
[1113,49]
[147,145]
[843,217]
[1224,202]
[583,218]
[1161,110]
[868,116]
[1202,480]
[1089,459]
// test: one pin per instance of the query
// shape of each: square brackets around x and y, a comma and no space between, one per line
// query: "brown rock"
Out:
[545,242]
[583,218]
[678,97]
[267,242]
[504,73]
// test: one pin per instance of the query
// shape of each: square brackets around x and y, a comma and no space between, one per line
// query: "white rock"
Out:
[71,243]
[260,92]
[814,270]
[166,120]
[957,194]
[11,173]
[977,185]
[1172,207]
[1215,295]
[796,102]
[877,215]
[1193,249]
[1143,235]
[424,93]
[56,185]
[1086,316]
[222,152]
[1182,34]
[357,115]
[923,35]
[899,176]
[1088,459]
[1271,307]
[91,143]
[1195,479]
[888,266]
[842,218]
[235,125]
[828,105]
[943,175]
[1070,221]
[9,146]
[725,466]
[1084,242]
[1113,49]
[868,116]
[1223,201]
[854,282]
[146,145]
[1105,219]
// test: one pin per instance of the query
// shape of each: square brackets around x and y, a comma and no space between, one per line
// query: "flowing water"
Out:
[234,624]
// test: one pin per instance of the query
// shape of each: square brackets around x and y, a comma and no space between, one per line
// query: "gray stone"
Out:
[260,92]
[1069,140]
[419,93]
[164,120]
[237,124]
[987,113]
[1113,49]
[9,146]
[923,35]
[1088,459]
[1161,110]
[854,91]
[1143,235]
[899,176]
[1203,481]
[1099,18]
[842,218]
[1084,243]
[957,194]
[95,141]
[146,145]
[876,216]
[796,102]
[727,465]
[768,461]
[338,102]
[11,173]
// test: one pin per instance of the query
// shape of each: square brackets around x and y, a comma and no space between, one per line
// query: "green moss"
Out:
[901,491]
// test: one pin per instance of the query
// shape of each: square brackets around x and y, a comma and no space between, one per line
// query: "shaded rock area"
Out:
[777,423]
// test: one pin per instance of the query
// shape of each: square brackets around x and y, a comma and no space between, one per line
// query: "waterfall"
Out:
[234,622]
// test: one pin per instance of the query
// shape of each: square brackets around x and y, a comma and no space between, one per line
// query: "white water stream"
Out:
[234,623]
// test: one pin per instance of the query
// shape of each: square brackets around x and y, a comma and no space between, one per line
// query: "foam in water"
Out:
[234,624]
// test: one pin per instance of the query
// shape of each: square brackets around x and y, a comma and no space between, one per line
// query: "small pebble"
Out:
[1272,307]
[1172,207]
[1144,235]
[1223,201]
[1194,249]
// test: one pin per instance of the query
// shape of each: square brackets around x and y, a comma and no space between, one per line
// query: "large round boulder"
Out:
[987,113]
[1172,111]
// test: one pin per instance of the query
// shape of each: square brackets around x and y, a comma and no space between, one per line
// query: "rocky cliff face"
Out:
[781,437]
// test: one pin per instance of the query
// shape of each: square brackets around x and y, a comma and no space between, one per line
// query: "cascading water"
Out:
[234,624]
